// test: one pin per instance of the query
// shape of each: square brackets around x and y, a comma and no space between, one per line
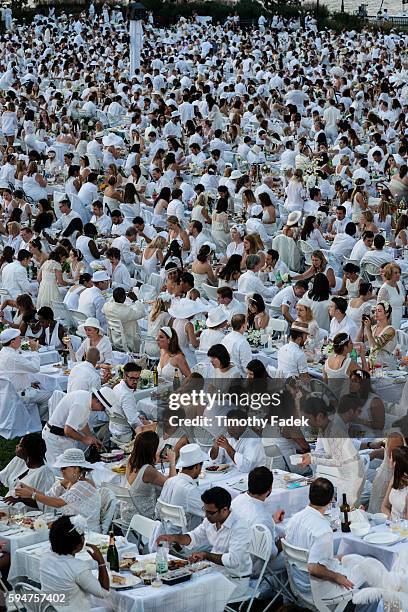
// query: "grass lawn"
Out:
[7,448]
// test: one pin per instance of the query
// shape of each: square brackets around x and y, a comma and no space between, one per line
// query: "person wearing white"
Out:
[226,534]
[228,303]
[91,300]
[249,282]
[119,308]
[126,404]
[238,347]
[84,376]
[243,448]
[67,215]
[68,425]
[123,244]
[340,322]
[287,298]
[216,321]
[344,242]
[292,359]
[362,246]
[14,275]
[102,222]
[182,490]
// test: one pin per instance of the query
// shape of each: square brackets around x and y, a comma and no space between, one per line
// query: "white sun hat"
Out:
[99,276]
[112,140]
[73,457]
[90,322]
[190,455]
[185,308]
[9,334]
[293,217]
[216,316]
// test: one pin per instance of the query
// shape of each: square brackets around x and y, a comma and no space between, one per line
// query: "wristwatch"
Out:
[34,495]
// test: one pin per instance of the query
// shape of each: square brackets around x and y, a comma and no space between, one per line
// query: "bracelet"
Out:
[34,495]
[102,565]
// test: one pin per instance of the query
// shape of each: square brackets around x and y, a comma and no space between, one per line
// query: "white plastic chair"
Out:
[306,250]
[260,546]
[175,515]
[108,508]
[62,314]
[94,162]
[79,317]
[30,601]
[272,451]
[210,291]
[156,281]
[371,272]
[142,526]
[203,438]
[279,325]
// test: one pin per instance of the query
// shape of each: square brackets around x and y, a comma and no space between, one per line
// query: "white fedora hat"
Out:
[236,174]
[8,335]
[73,457]
[190,455]
[90,322]
[184,308]
[106,396]
[216,316]
[293,217]
[99,276]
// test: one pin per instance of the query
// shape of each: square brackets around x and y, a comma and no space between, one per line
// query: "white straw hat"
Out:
[190,455]
[99,276]
[9,334]
[90,322]
[106,396]
[73,457]
[236,174]
[184,309]
[293,217]
[216,316]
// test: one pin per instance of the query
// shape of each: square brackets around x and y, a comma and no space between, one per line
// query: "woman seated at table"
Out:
[221,362]
[87,246]
[219,224]
[63,573]
[395,503]
[216,322]
[113,196]
[52,333]
[157,318]
[253,245]
[318,299]
[372,411]
[269,213]
[384,473]
[174,436]
[393,292]
[177,233]
[71,299]
[142,478]
[304,314]
[312,234]
[199,211]
[36,249]
[351,280]
[256,370]
[366,222]
[172,358]
[27,467]
[201,268]
[339,366]
[152,257]
[257,316]
[25,319]
[358,306]
[319,264]
[74,494]
[117,270]
[94,338]
[228,275]
[381,337]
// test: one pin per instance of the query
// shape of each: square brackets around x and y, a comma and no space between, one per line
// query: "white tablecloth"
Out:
[347,544]
[208,592]
[21,536]
[49,357]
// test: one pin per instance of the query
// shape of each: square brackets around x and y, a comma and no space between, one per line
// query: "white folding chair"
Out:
[210,291]
[272,451]
[173,515]
[79,317]
[203,438]
[260,546]
[156,281]
[142,526]
[32,597]
[94,162]
[278,325]
[371,273]
[62,314]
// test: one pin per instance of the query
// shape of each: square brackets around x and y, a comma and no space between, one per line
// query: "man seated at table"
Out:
[255,506]
[310,530]
[182,490]
[20,370]
[242,447]
[249,282]
[292,360]
[225,533]
[340,322]
[287,299]
[230,305]
[126,405]
[238,347]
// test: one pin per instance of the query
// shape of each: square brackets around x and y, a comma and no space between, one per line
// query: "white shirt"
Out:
[231,540]
[127,407]
[91,303]
[286,297]
[119,229]
[249,282]
[14,277]
[73,410]
[182,490]
[249,452]
[292,360]
[346,326]
[19,368]
[123,244]
[176,208]
[71,577]
[83,377]
[343,244]
[40,478]
[358,251]
[62,223]
[103,223]
[233,308]
[239,350]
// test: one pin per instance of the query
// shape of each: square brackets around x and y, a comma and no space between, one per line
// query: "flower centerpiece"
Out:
[146,379]
[311,174]
[25,345]
[39,524]
[254,338]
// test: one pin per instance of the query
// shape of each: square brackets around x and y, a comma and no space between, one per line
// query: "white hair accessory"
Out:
[166,331]
[79,524]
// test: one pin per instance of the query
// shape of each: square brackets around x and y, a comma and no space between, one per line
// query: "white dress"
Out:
[396,298]
[82,498]
[338,380]
[179,325]
[398,501]
[153,328]
[48,290]
[167,371]
[149,265]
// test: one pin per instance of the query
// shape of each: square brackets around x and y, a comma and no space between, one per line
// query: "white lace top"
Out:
[82,498]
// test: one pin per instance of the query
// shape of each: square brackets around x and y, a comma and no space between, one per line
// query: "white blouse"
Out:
[41,478]
[82,498]
[104,347]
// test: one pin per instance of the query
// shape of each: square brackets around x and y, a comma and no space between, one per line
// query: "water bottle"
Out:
[353,355]
[162,565]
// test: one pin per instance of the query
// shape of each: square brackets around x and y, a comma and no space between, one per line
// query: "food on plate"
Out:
[199,566]
[217,468]
[116,579]
[177,564]
[119,469]
[127,562]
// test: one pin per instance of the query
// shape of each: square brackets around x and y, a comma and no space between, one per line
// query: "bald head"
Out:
[92,355]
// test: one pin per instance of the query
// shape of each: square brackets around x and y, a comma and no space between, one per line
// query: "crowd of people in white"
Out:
[236,209]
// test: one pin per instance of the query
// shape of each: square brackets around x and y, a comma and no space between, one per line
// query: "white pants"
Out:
[39,397]
[56,445]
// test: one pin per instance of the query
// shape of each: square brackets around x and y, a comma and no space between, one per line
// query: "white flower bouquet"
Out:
[39,524]
[254,338]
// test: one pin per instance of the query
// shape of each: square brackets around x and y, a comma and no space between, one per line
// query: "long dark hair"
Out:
[400,456]
[144,450]
[174,250]
[258,300]
[308,227]
[232,266]
[320,290]
[258,369]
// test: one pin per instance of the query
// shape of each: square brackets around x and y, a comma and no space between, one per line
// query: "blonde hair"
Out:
[309,312]
[158,243]
[255,243]
[389,269]
[13,226]
[158,306]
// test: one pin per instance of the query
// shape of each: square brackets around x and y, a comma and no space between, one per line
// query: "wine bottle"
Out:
[344,515]
[176,379]
[112,556]
[155,376]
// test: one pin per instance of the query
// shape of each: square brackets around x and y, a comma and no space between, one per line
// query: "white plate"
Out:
[383,538]
[131,581]
[33,513]
[48,369]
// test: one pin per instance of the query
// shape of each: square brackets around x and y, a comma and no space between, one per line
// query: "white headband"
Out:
[166,331]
